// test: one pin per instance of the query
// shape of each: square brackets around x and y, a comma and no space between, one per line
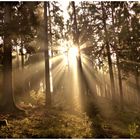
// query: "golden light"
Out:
[70,55]
[73,52]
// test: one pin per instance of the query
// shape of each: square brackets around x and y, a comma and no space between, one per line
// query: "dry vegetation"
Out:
[61,121]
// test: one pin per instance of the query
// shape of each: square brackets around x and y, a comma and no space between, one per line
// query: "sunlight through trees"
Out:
[75,62]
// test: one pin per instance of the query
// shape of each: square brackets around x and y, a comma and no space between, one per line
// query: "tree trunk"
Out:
[76,36]
[22,54]
[118,63]
[46,53]
[137,83]
[18,65]
[50,29]
[83,81]
[108,51]
[7,103]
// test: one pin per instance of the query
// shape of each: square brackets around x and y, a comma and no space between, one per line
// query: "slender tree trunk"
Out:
[108,52]
[137,83]
[17,57]
[76,36]
[46,53]
[118,63]
[22,55]
[83,82]
[50,29]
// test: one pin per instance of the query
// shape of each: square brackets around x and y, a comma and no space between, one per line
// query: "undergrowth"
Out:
[65,121]
[48,124]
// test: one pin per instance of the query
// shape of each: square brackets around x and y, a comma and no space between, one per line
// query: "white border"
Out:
[65,0]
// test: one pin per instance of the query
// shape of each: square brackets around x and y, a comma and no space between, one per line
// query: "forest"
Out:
[70,69]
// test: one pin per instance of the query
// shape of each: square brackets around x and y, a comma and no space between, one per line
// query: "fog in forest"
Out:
[69,69]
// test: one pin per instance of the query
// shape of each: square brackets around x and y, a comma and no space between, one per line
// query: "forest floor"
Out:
[63,122]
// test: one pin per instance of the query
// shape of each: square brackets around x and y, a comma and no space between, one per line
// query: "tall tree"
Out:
[129,39]
[76,33]
[115,43]
[50,28]
[7,103]
[104,16]
[46,53]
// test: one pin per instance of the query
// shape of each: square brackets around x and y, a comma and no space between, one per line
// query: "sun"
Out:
[73,52]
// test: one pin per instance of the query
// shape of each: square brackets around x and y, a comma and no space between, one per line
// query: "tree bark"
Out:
[50,29]
[46,53]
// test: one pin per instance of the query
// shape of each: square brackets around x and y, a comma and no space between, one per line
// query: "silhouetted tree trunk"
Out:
[22,54]
[117,61]
[18,65]
[137,82]
[7,104]
[46,53]
[108,51]
[82,81]
[76,34]
[50,29]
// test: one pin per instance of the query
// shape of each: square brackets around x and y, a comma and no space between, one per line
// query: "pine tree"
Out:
[46,51]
